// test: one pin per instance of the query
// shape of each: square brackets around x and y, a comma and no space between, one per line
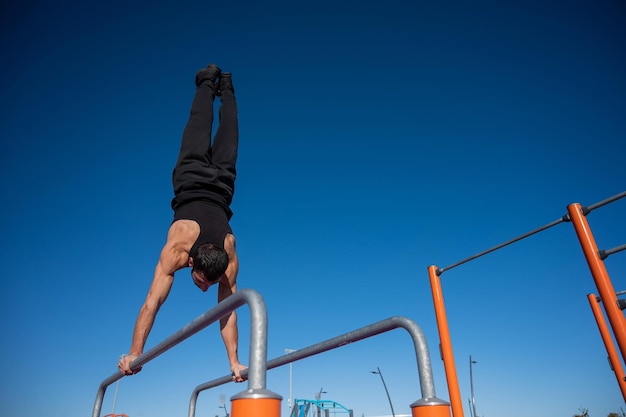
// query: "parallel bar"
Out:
[445,343]
[419,341]
[600,275]
[525,235]
[258,340]
[616,364]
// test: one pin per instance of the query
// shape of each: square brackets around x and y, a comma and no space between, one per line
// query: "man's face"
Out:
[199,279]
[201,282]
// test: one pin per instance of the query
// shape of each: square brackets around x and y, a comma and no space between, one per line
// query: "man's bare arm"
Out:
[228,324]
[173,257]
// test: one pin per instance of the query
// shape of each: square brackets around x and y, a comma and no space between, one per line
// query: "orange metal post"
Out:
[616,364]
[600,275]
[446,343]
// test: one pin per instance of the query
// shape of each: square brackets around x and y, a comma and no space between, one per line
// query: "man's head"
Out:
[208,264]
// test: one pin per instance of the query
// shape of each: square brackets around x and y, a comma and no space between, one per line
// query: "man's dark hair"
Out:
[211,260]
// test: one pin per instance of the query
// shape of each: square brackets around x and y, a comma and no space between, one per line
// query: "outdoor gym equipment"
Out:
[257,401]
[576,214]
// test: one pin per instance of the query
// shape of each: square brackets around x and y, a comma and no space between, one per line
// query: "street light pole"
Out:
[223,401]
[386,390]
[472,386]
[290,379]
[318,395]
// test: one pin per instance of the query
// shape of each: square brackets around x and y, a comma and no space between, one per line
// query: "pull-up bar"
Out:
[508,242]
[588,209]
[258,340]
[564,218]
[576,215]
[603,254]
[424,367]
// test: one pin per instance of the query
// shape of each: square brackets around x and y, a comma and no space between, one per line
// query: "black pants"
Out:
[204,171]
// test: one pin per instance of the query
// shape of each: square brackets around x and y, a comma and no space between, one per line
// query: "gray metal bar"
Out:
[564,218]
[421,351]
[508,242]
[604,202]
[258,340]
[603,254]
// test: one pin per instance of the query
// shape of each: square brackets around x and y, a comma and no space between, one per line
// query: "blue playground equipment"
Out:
[318,408]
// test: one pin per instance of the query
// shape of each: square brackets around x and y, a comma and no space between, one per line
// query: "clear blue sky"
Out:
[377,138]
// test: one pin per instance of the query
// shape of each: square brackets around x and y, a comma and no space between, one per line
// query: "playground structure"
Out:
[319,408]
[257,401]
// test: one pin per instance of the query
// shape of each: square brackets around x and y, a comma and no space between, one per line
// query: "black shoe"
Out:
[226,83]
[210,73]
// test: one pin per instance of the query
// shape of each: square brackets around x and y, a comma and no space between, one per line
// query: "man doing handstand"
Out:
[200,236]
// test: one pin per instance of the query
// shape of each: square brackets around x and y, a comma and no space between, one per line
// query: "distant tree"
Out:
[584,412]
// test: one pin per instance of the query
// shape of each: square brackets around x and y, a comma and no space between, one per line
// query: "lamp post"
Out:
[223,404]
[318,397]
[472,386]
[290,379]
[386,390]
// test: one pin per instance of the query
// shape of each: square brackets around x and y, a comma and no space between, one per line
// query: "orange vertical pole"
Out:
[445,343]
[616,364]
[600,275]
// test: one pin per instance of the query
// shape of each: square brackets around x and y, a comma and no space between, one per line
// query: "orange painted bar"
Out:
[445,343]
[600,275]
[255,407]
[616,364]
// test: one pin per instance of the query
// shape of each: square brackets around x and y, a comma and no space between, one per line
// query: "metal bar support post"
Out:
[258,343]
[600,275]
[616,364]
[428,406]
[445,343]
